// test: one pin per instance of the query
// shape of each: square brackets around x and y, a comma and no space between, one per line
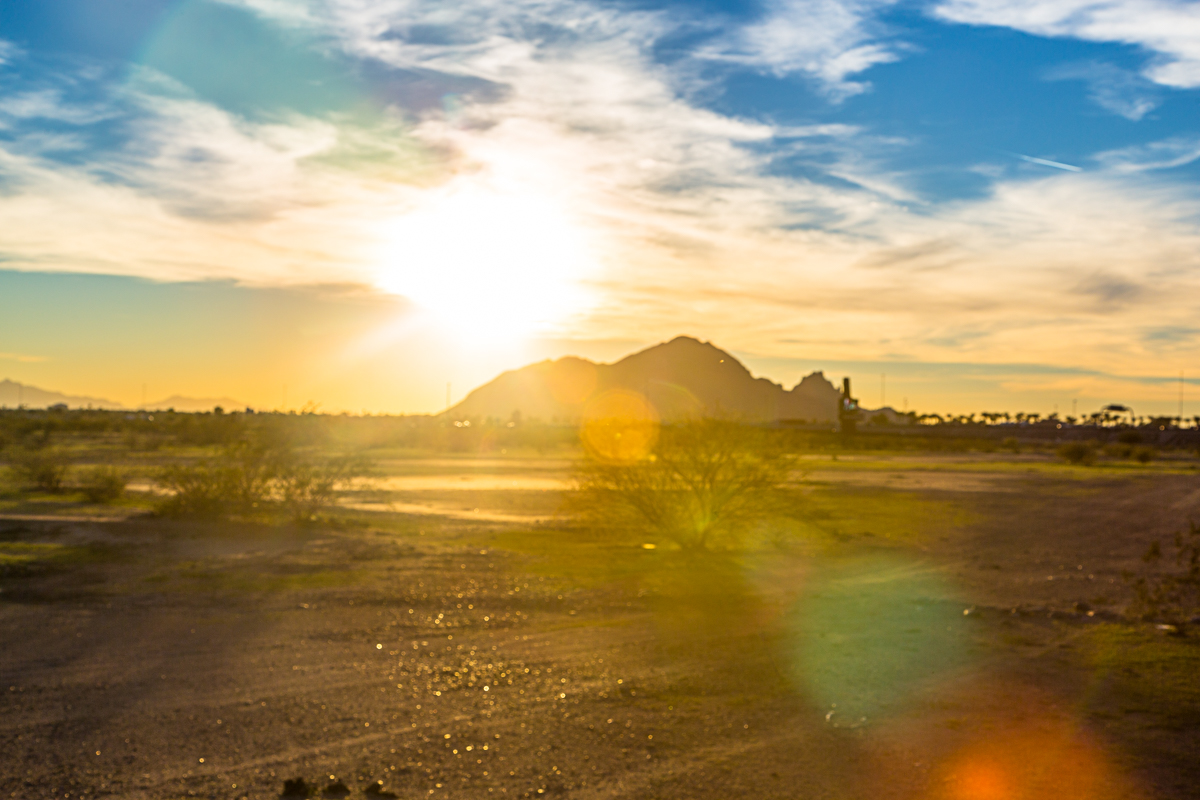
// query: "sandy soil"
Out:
[457,658]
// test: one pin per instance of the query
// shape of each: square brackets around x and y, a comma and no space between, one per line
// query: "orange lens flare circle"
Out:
[1053,761]
[620,426]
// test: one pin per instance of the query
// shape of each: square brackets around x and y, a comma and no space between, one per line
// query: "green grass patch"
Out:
[1142,670]
[24,554]
[891,515]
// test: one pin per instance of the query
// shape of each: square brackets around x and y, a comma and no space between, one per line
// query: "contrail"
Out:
[1046,163]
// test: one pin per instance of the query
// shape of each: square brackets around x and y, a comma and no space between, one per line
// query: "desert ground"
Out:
[938,626]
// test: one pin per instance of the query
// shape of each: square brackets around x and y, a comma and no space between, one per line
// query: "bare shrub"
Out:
[203,489]
[306,487]
[1118,450]
[44,468]
[702,484]
[1077,453]
[1144,455]
[1173,595]
[103,484]
[249,478]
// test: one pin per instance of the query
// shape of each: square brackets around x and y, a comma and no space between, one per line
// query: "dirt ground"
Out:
[927,636]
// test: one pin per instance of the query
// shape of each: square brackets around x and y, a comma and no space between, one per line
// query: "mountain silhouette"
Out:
[683,377]
[180,402]
[13,394]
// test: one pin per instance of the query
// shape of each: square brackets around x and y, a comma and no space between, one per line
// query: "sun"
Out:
[485,263]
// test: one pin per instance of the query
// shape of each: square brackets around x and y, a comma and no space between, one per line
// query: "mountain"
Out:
[13,394]
[680,378]
[181,403]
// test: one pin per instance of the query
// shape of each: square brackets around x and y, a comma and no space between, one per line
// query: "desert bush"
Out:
[1144,455]
[1118,450]
[702,484]
[305,487]
[236,482]
[1011,443]
[1077,453]
[103,484]
[1172,595]
[248,478]
[203,489]
[43,468]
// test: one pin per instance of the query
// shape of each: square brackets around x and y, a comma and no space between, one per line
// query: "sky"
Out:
[965,205]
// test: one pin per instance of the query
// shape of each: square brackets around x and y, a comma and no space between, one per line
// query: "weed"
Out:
[1172,595]
[1077,453]
[103,484]
[700,484]
[45,468]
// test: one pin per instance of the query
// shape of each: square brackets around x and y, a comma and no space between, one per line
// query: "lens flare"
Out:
[869,633]
[620,426]
[1047,759]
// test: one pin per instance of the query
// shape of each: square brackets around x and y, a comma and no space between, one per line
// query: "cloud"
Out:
[1164,154]
[1172,334]
[22,358]
[1120,91]
[686,210]
[48,104]
[827,40]
[1168,29]
[1110,291]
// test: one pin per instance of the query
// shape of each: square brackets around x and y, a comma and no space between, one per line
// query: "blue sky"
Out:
[1007,185]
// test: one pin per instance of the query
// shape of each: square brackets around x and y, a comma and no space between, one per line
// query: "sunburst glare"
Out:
[481,261]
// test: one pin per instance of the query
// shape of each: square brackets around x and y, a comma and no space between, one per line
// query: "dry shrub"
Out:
[248,479]
[704,484]
[305,487]
[44,469]
[1077,453]
[1118,450]
[1170,594]
[103,484]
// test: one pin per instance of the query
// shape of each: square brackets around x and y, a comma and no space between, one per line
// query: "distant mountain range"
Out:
[683,377]
[13,394]
[180,403]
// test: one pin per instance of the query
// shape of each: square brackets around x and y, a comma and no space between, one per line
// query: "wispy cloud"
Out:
[827,40]
[1120,91]
[685,205]
[22,358]
[1167,29]
[1165,154]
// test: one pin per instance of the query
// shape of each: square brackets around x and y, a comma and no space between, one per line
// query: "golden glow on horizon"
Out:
[491,264]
